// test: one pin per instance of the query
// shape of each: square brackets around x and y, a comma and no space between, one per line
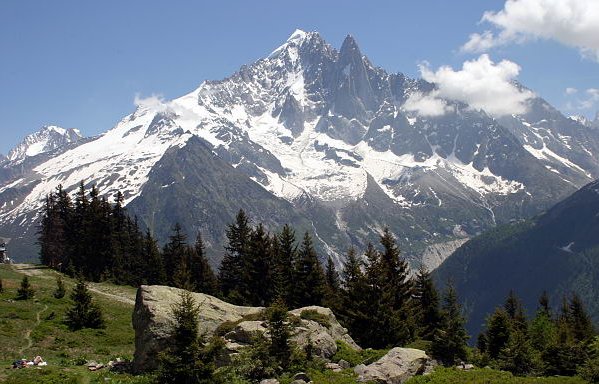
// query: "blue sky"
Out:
[80,64]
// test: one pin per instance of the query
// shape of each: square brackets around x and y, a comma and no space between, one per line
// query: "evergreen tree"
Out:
[231,268]
[332,297]
[154,270]
[449,342]
[25,292]
[256,285]
[354,312]
[308,276]
[579,321]
[426,300]
[84,313]
[517,355]
[202,276]
[60,289]
[286,256]
[174,257]
[498,332]
[182,277]
[514,309]
[185,361]
[544,304]
[280,334]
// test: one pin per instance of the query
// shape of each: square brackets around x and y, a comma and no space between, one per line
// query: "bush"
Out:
[84,313]
[25,292]
[365,356]
[60,289]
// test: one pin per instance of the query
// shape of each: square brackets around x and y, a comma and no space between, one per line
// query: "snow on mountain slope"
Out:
[317,127]
[47,139]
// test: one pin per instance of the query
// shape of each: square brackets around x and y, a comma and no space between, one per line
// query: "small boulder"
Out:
[396,367]
[333,367]
[301,376]
[269,381]
[344,364]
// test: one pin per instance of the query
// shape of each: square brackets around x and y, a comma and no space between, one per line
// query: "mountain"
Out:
[324,135]
[45,140]
[557,251]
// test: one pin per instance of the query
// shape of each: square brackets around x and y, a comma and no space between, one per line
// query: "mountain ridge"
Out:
[325,130]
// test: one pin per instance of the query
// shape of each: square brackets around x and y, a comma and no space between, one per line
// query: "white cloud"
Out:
[155,102]
[585,102]
[426,104]
[481,84]
[574,23]
[571,91]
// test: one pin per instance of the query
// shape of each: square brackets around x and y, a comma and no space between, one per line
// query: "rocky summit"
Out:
[323,139]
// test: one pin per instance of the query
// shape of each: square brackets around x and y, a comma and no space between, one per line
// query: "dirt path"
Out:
[28,332]
[49,274]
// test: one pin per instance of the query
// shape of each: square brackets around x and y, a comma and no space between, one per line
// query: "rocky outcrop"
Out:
[152,322]
[396,367]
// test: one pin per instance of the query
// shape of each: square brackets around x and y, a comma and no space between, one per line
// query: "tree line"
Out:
[373,293]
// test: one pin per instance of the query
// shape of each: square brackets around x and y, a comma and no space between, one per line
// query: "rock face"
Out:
[396,367]
[152,319]
[152,323]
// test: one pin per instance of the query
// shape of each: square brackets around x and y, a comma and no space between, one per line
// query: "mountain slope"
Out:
[47,139]
[557,251]
[327,132]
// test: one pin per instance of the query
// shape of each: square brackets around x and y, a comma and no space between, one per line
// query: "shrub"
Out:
[25,292]
[313,315]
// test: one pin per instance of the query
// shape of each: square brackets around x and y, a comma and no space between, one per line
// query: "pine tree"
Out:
[184,361]
[449,342]
[544,304]
[514,309]
[286,256]
[517,356]
[202,276]
[579,321]
[255,287]
[426,300]
[332,297]
[308,276]
[280,333]
[174,255]
[84,313]
[231,268]
[25,292]
[154,270]
[498,332]
[60,289]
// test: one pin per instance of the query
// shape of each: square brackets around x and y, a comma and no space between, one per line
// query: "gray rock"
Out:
[396,367]
[302,376]
[269,381]
[344,364]
[152,323]
[152,320]
[333,367]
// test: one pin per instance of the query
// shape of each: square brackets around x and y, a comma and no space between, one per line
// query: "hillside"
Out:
[35,327]
[557,251]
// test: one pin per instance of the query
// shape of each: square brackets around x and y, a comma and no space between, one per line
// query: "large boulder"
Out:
[152,321]
[396,367]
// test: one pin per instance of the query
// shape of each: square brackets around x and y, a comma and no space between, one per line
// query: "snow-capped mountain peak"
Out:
[48,138]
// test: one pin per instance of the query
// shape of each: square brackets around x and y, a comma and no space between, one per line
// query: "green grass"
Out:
[365,356]
[487,376]
[313,315]
[51,338]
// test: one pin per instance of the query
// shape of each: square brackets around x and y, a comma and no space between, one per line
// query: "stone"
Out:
[269,381]
[333,367]
[344,364]
[396,367]
[301,376]
[322,339]
[152,320]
